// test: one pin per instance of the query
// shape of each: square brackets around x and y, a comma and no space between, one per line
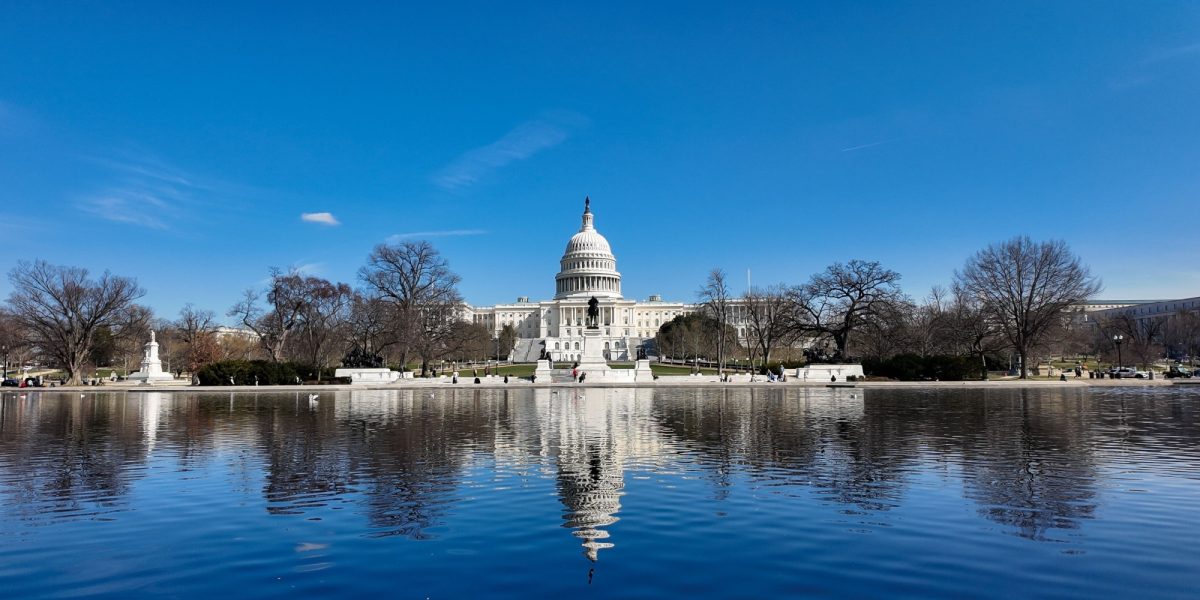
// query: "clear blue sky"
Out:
[181,145]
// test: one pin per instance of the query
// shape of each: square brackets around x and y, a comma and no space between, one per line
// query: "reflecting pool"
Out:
[668,492]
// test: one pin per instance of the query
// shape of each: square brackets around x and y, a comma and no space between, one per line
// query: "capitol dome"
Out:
[588,267]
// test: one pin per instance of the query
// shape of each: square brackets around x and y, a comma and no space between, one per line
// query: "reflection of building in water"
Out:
[592,438]
[151,405]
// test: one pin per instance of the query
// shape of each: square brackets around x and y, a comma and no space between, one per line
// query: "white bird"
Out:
[313,397]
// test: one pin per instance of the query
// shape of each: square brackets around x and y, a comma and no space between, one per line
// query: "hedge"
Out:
[245,372]
[913,367]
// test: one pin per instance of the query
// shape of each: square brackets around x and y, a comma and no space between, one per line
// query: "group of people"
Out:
[576,375]
[454,377]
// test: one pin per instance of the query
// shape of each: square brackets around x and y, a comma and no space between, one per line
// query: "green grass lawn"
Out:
[660,370]
[525,370]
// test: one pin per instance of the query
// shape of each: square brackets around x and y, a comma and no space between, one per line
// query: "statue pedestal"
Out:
[368,376]
[592,358]
[542,373]
[642,372]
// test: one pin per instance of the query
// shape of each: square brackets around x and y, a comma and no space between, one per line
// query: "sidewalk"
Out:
[662,382]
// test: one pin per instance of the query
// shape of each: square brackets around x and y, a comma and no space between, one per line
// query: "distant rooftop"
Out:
[1123,301]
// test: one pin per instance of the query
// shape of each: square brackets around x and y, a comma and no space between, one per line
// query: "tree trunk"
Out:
[75,368]
[983,365]
[1024,364]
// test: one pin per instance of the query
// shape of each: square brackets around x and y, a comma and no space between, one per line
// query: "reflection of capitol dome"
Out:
[588,267]
[591,474]
[591,486]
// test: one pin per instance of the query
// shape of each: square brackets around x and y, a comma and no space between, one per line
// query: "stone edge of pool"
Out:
[680,382]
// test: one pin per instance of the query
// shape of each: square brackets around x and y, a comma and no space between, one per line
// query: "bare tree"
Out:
[974,330]
[900,327]
[286,301]
[196,330]
[1025,287]
[238,347]
[1142,337]
[718,301]
[323,322]
[467,341]
[769,320]
[61,308]
[12,343]
[1182,335]
[131,331]
[372,325]
[418,282]
[194,323]
[843,298]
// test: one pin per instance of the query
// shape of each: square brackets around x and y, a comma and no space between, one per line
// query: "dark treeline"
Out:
[406,309]
[1010,303]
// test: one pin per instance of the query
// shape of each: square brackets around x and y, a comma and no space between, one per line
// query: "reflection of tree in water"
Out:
[1030,466]
[788,436]
[66,457]
[1027,458]
[307,460]
[409,462]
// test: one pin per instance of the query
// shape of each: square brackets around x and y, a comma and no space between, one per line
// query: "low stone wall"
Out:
[370,376]
[826,372]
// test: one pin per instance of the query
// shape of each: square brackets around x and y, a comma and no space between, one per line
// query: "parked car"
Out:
[1178,371]
[1127,373]
[10,383]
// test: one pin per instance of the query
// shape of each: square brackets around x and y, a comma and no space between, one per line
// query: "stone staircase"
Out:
[526,351]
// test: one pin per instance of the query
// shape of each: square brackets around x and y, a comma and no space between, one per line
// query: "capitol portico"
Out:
[587,269]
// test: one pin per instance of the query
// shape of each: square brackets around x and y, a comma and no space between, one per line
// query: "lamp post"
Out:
[1117,339]
[5,361]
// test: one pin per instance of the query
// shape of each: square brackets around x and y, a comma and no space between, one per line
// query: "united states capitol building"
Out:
[587,269]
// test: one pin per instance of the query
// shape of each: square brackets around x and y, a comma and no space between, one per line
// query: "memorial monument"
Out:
[593,360]
[151,371]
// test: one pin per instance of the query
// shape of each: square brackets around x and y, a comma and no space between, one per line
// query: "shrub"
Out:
[245,372]
[912,367]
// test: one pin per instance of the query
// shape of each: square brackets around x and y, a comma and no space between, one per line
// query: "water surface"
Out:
[608,492]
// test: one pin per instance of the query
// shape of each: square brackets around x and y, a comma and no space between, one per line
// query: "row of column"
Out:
[583,284]
[576,316]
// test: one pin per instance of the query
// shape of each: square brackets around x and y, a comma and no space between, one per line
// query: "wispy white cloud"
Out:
[143,191]
[522,142]
[865,146]
[323,218]
[311,269]
[306,269]
[1183,51]
[429,234]
[1153,67]
[17,122]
